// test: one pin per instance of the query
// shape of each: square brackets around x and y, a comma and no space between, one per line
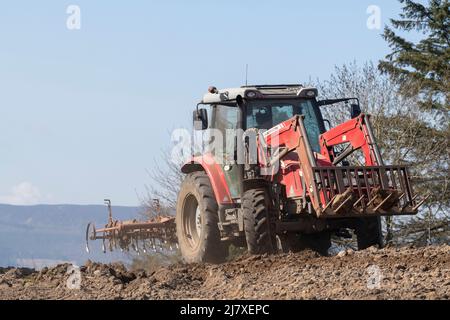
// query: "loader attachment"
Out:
[157,233]
[356,191]
[348,191]
[373,189]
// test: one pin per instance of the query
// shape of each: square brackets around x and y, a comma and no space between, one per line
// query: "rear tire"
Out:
[197,221]
[368,233]
[258,231]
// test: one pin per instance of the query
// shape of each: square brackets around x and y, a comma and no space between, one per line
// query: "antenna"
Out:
[246,74]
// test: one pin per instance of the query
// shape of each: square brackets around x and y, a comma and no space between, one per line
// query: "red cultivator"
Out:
[154,234]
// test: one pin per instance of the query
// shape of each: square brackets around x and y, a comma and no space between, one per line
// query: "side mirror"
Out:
[355,110]
[200,119]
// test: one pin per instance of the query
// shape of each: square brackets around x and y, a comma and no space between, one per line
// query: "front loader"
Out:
[270,177]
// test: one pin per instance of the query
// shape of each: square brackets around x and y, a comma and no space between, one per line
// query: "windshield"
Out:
[265,114]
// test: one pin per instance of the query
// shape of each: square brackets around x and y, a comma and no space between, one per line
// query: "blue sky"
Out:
[84,113]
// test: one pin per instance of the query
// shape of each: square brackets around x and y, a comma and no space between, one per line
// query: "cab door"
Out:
[224,120]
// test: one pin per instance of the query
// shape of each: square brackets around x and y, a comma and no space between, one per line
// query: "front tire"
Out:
[197,221]
[368,232]
[258,233]
[295,242]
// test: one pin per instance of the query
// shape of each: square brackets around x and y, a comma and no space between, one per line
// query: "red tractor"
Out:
[294,186]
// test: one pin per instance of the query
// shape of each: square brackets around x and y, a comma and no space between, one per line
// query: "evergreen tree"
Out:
[422,67]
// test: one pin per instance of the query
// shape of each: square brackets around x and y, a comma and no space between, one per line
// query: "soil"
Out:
[389,273]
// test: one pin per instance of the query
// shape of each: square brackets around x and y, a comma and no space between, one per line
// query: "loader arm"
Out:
[291,136]
[358,133]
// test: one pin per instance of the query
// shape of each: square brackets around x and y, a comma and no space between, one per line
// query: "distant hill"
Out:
[47,234]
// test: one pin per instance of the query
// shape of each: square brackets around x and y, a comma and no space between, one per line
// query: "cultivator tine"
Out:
[111,243]
[144,245]
[135,247]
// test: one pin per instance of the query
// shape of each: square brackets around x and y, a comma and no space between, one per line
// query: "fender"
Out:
[215,173]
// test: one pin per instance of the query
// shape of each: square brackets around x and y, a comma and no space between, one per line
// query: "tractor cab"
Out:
[261,107]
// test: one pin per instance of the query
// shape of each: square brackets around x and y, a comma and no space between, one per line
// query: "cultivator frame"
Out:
[157,233]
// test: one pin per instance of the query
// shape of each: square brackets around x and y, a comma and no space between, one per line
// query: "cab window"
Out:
[265,114]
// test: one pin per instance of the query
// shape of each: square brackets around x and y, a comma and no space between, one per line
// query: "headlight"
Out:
[251,94]
[310,93]
[307,92]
